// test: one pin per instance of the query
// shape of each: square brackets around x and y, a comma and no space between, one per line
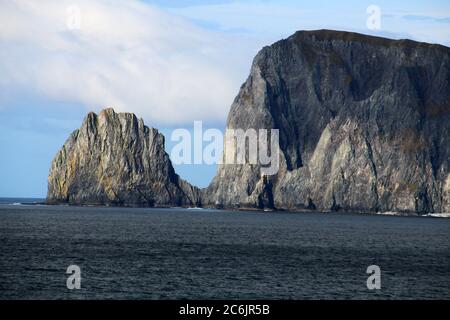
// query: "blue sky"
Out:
[170,62]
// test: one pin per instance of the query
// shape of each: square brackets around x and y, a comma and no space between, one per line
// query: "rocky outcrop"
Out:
[364,125]
[114,159]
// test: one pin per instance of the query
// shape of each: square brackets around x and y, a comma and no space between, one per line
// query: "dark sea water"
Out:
[209,254]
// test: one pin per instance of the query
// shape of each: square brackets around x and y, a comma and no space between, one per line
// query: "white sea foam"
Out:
[389,213]
[434,215]
[439,215]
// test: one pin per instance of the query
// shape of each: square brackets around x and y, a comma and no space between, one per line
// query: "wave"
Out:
[389,213]
[433,215]
[439,215]
[34,203]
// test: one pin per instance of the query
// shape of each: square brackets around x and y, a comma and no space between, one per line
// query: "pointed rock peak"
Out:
[90,117]
[110,113]
[89,122]
[110,162]
[107,111]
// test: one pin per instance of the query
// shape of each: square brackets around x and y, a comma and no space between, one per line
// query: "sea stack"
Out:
[114,159]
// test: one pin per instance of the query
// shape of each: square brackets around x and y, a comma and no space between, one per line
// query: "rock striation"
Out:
[364,125]
[114,159]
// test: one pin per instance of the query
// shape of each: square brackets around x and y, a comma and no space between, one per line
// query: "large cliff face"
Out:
[114,159]
[364,124]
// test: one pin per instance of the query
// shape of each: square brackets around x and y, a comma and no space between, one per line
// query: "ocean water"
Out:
[210,254]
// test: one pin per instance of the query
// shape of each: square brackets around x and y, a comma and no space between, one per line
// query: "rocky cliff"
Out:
[114,159]
[364,125]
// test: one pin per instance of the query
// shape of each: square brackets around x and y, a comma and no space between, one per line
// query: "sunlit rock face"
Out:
[114,159]
[364,125]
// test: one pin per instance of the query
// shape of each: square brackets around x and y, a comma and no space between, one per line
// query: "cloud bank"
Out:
[171,66]
[120,53]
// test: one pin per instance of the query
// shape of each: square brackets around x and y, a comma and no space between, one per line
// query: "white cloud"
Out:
[274,19]
[126,54]
[161,65]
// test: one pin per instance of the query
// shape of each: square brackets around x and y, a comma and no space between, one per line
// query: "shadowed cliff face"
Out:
[364,125]
[114,159]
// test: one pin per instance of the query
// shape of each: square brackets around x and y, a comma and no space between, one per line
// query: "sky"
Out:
[169,62]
